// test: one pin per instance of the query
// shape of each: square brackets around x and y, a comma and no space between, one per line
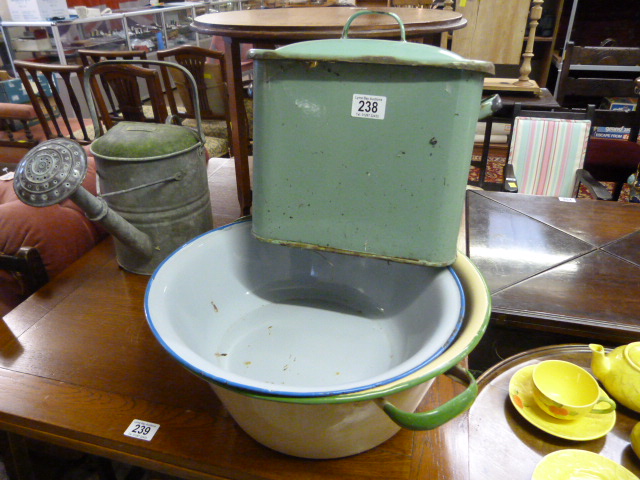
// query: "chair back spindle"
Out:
[53,84]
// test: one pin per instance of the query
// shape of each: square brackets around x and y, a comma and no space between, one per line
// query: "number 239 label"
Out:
[142,430]
[368,106]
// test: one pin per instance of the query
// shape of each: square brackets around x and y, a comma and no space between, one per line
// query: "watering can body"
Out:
[154,176]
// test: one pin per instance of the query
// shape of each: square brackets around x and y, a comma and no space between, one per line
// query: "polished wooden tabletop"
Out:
[78,364]
[272,27]
[568,265]
[290,24]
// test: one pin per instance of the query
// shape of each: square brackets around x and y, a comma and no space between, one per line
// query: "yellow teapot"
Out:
[619,372]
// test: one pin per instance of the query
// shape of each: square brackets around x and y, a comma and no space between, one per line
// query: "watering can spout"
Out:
[54,171]
[97,210]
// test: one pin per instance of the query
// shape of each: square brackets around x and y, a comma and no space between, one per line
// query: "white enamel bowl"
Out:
[319,426]
[287,321]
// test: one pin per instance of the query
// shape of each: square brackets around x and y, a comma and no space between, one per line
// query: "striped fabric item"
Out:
[546,152]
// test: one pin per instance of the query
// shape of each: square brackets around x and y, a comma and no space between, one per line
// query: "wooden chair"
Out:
[123,82]
[208,70]
[574,89]
[22,113]
[607,159]
[613,160]
[53,84]
[89,57]
[547,150]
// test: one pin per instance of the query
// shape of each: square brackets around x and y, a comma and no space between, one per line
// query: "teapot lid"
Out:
[632,353]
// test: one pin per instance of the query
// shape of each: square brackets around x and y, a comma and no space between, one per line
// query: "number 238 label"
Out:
[368,106]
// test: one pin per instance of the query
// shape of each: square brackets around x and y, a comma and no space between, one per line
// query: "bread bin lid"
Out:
[383,52]
[140,140]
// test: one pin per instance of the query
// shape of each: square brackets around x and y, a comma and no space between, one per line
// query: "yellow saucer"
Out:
[589,427]
[571,464]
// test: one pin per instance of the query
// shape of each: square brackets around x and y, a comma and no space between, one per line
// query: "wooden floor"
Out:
[224,196]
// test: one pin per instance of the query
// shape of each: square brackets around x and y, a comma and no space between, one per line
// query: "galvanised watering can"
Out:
[152,179]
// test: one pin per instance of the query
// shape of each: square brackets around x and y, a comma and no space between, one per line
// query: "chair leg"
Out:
[6,126]
[617,190]
[15,453]
[136,473]
[27,131]
[105,469]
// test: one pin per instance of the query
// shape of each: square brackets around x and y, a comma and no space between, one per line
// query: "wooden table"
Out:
[503,445]
[78,364]
[568,267]
[272,27]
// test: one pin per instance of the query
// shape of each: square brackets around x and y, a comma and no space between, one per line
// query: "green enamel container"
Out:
[363,146]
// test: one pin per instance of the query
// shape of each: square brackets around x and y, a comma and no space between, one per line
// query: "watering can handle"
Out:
[440,415]
[345,30]
[92,108]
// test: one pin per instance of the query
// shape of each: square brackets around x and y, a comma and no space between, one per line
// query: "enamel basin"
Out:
[285,321]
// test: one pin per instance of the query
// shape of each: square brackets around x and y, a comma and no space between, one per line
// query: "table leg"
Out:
[239,134]
[486,144]
[15,454]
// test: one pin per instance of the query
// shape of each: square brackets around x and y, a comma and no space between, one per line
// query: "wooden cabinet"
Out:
[592,22]
[498,30]
[489,36]
[597,23]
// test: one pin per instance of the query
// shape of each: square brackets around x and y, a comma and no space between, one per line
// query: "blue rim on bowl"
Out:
[171,333]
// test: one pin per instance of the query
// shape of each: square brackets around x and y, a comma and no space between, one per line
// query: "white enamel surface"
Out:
[291,321]
[331,430]
[318,431]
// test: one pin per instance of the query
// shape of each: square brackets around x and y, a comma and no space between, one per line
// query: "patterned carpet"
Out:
[495,167]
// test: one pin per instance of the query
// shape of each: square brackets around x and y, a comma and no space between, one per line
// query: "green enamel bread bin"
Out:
[363,146]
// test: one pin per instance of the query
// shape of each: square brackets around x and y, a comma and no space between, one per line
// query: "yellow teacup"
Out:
[566,391]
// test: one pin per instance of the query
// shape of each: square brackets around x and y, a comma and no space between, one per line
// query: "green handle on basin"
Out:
[440,415]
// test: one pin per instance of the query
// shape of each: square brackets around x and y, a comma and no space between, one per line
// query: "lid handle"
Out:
[91,101]
[345,31]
